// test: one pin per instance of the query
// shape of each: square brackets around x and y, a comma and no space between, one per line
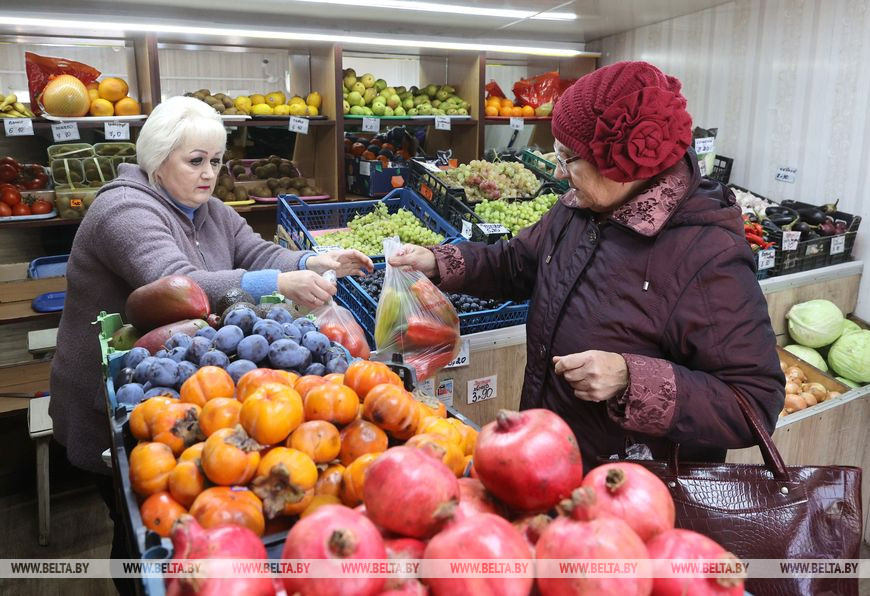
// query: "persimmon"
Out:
[251,380]
[159,512]
[186,481]
[330,480]
[319,439]
[392,409]
[224,505]
[284,478]
[209,382]
[442,448]
[230,456]
[144,414]
[353,478]
[361,437]
[363,375]
[271,412]
[150,465]
[218,413]
[177,425]
[337,404]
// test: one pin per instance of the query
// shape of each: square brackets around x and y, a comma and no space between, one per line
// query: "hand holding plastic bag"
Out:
[415,319]
[337,323]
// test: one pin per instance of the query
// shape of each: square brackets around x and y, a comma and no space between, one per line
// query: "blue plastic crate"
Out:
[301,220]
[353,297]
[42,267]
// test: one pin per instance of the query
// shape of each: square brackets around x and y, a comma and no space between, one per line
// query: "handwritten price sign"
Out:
[463,358]
[65,131]
[117,131]
[482,389]
[18,127]
[299,125]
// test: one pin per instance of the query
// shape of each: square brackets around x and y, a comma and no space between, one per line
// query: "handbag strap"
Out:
[772,458]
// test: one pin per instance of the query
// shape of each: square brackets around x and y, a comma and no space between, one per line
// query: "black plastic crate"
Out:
[544,169]
[722,169]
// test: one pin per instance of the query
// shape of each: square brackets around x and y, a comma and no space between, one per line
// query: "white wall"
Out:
[787,83]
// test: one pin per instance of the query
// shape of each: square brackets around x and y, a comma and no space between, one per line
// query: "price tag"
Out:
[705,145]
[518,123]
[365,168]
[299,125]
[790,240]
[838,244]
[786,175]
[467,229]
[445,392]
[463,358]
[482,389]
[18,127]
[702,166]
[766,259]
[371,124]
[427,387]
[430,165]
[117,131]
[324,249]
[488,228]
[65,131]
[442,122]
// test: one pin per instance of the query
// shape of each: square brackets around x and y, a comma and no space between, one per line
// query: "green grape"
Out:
[516,215]
[367,232]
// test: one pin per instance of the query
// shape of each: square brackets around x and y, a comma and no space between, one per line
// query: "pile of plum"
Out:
[243,342]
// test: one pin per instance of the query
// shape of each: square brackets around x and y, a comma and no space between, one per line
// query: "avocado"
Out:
[232,297]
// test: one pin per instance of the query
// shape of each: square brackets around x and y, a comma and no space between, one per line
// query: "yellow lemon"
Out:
[312,111]
[102,107]
[275,98]
[296,99]
[243,103]
[281,110]
[313,99]
[257,99]
[298,109]
[261,109]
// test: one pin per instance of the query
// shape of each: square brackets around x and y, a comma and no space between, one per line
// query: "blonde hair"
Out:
[170,125]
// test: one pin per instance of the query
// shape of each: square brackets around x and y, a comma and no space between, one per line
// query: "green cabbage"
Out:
[850,327]
[850,356]
[848,382]
[808,355]
[815,323]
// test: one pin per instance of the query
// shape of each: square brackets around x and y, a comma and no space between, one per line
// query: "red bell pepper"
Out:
[427,364]
[427,332]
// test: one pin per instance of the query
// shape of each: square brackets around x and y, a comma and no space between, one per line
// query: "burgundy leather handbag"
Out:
[771,511]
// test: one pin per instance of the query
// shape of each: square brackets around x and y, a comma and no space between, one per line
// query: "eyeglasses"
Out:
[562,162]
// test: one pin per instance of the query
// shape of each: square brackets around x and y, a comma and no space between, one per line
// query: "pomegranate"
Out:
[635,495]
[334,532]
[570,536]
[529,460]
[685,544]
[404,548]
[484,536]
[412,588]
[409,492]
[192,541]
[474,499]
[531,527]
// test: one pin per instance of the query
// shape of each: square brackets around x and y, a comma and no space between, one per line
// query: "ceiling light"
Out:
[458,9]
[119,29]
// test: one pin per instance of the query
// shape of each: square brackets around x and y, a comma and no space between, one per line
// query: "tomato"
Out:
[21,209]
[5,210]
[40,207]
[10,196]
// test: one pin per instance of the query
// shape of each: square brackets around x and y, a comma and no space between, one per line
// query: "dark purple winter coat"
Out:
[668,281]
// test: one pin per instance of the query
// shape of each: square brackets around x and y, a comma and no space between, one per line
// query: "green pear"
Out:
[359,88]
[413,112]
[401,89]
[448,89]
[431,90]
[348,71]
[380,84]
[421,99]
[438,113]
[408,103]
[394,101]
[349,81]
[400,111]
[390,91]
[370,94]
[367,111]
[451,112]
[346,106]
[436,103]
[544,110]
[368,80]
[378,109]
[424,109]
[388,111]
[442,94]
[462,112]
[354,98]
[357,110]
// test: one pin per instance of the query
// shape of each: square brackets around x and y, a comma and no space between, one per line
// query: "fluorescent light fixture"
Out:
[458,9]
[119,29]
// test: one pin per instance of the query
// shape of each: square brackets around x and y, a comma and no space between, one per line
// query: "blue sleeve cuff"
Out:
[260,283]
[304,260]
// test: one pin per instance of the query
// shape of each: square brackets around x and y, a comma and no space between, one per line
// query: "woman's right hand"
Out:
[307,288]
[416,258]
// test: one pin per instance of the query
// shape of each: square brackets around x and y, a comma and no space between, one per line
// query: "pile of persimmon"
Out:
[277,445]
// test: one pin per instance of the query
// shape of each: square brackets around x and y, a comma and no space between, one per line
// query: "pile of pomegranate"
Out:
[526,498]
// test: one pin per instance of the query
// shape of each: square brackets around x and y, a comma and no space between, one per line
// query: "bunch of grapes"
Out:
[484,180]
[373,283]
[516,215]
[367,232]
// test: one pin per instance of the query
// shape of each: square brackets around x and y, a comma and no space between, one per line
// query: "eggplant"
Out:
[831,207]
[770,226]
[781,216]
[827,228]
[812,215]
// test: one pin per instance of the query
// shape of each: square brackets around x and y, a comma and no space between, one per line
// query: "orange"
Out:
[506,103]
[516,112]
[491,110]
[505,111]
[127,107]
[102,107]
[528,111]
[113,88]
[494,101]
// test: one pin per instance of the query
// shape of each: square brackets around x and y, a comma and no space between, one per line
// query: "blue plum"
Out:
[271,330]
[164,353]
[336,365]
[135,356]
[254,348]
[242,317]
[287,354]
[199,346]
[305,325]
[206,332]
[239,368]
[280,314]
[130,394]
[185,371]
[227,339]
[317,343]
[167,391]
[315,368]
[124,376]
[291,331]
[178,353]
[163,372]
[141,374]
[179,340]
[215,358]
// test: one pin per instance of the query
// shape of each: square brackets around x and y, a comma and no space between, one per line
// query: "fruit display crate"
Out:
[722,169]
[302,220]
[544,169]
[364,306]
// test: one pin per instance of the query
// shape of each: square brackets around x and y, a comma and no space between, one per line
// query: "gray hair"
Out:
[170,124]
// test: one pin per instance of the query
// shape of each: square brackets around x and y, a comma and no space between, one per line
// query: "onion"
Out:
[817,389]
[792,387]
[783,365]
[809,398]
[795,374]
[833,394]
[794,402]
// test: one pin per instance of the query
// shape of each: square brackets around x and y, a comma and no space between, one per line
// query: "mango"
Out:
[170,298]
[155,340]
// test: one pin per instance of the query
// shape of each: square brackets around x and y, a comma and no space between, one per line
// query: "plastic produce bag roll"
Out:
[414,319]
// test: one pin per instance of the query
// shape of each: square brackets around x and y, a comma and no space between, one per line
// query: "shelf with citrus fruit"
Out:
[501,109]
[66,98]
[275,105]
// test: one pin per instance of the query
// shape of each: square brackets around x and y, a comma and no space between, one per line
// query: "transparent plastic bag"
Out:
[543,88]
[337,323]
[414,319]
[41,69]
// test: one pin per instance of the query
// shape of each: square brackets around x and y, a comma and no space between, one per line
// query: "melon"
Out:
[67,96]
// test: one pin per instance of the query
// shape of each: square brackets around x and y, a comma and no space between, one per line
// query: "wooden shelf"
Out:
[16,296]
[42,124]
[385,122]
[276,122]
[506,120]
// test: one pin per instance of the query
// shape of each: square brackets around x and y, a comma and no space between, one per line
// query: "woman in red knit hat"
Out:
[645,309]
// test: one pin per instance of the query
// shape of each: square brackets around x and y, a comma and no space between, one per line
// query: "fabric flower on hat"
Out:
[641,134]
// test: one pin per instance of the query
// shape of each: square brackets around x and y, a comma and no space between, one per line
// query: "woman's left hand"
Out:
[593,375]
[343,262]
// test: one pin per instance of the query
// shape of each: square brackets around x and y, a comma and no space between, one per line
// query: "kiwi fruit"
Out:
[284,182]
[231,111]
[221,193]
[286,169]
[227,101]
[306,191]
[110,150]
[241,194]
[239,170]
[272,183]
[271,170]
[297,182]
[226,182]
[203,92]
[260,172]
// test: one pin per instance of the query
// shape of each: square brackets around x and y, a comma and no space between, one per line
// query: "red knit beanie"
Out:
[629,120]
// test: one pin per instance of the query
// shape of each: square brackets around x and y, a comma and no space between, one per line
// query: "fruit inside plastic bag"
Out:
[337,323]
[414,319]
[41,69]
